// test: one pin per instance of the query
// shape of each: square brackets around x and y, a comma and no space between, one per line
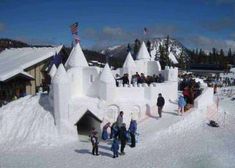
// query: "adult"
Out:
[181,104]
[119,121]
[160,104]
[123,137]
[132,130]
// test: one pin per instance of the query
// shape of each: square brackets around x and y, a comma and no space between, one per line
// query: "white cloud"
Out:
[209,43]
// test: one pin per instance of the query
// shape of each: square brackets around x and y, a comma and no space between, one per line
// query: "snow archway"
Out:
[87,122]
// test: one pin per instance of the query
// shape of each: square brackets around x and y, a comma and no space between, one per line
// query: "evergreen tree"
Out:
[230,59]
[148,46]
[182,61]
[136,47]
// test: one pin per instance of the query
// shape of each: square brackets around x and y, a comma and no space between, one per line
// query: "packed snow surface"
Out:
[170,142]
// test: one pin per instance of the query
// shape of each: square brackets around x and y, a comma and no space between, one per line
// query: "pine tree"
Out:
[230,60]
[182,61]
[136,47]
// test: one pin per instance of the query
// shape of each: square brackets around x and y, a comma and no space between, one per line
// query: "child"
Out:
[94,142]
[105,131]
[115,147]
[181,104]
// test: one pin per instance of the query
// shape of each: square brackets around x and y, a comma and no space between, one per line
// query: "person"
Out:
[123,137]
[132,130]
[114,131]
[105,131]
[94,142]
[181,104]
[160,104]
[215,88]
[120,120]
[125,79]
[117,79]
[115,147]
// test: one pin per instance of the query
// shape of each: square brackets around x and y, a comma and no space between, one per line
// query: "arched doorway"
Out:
[87,122]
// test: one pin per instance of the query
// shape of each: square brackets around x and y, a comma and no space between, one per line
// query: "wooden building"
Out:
[24,70]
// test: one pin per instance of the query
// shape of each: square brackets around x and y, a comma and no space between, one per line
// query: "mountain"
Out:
[8,43]
[176,50]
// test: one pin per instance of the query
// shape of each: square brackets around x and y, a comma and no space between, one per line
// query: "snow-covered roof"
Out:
[143,53]
[60,75]
[16,60]
[76,58]
[106,75]
[172,58]
[129,62]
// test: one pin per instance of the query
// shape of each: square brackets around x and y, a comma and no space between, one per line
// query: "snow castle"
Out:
[86,96]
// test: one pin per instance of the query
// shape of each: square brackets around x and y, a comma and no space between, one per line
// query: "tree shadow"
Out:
[82,151]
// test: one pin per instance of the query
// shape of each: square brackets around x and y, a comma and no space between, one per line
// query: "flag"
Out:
[74,28]
[145,31]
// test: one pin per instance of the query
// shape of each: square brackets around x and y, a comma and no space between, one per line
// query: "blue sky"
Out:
[196,23]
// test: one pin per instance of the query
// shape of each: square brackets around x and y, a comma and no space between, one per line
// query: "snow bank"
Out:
[28,121]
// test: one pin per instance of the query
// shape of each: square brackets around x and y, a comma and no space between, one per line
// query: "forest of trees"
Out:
[215,57]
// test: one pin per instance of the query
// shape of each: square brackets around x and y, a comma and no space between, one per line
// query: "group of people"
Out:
[118,133]
[138,79]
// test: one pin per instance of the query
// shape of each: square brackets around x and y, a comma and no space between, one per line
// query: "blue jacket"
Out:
[133,126]
[181,101]
[115,146]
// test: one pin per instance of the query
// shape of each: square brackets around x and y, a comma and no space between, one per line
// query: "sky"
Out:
[195,23]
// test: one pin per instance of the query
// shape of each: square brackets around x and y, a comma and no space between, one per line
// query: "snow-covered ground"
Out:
[172,141]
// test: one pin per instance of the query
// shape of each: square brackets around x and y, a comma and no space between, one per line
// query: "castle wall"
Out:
[91,81]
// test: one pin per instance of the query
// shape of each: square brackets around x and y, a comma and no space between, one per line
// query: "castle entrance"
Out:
[87,122]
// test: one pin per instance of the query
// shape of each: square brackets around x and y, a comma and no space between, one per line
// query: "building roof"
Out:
[76,58]
[16,60]
[143,53]
[129,62]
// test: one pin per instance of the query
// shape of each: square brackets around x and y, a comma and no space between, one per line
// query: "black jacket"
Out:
[160,101]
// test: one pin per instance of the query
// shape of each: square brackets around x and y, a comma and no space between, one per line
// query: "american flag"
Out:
[74,28]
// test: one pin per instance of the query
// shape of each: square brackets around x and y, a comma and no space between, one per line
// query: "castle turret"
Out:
[129,65]
[143,53]
[52,74]
[76,58]
[52,71]
[107,84]
[61,94]
[75,64]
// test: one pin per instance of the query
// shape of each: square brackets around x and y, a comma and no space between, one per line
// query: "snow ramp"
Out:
[27,121]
